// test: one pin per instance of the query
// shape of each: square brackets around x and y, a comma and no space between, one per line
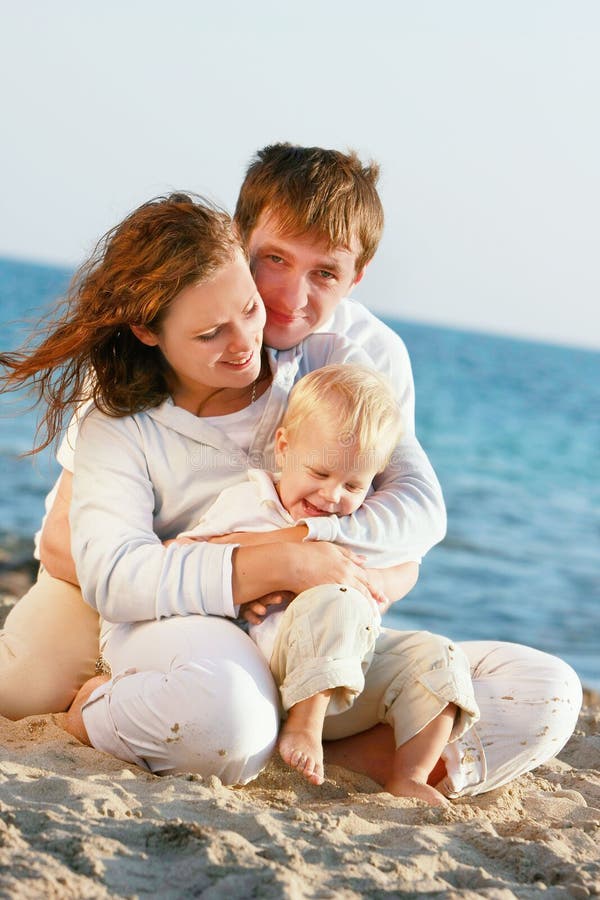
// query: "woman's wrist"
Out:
[259,570]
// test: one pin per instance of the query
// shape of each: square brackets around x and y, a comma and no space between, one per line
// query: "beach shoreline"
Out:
[75,822]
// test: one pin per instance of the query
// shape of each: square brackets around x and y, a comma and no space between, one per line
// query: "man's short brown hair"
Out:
[312,190]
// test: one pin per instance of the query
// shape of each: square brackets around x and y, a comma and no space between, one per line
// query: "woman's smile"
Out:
[242,363]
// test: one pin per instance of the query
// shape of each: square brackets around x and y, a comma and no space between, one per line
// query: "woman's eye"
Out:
[252,309]
[209,336]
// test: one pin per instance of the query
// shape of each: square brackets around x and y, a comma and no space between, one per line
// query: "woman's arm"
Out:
[125,571]
[294,567]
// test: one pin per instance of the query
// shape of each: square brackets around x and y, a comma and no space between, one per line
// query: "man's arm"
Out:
[55,540]
[405,516]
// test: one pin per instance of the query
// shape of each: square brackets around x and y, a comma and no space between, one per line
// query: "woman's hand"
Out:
[320,562]
[294,567]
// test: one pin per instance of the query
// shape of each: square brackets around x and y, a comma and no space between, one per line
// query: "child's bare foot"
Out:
[300,742]
[303,751]
[73,722]
[407,787]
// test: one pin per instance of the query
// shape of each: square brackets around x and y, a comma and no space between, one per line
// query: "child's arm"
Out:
[294,534]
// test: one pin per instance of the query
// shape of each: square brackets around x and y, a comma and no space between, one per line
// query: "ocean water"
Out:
[513,431]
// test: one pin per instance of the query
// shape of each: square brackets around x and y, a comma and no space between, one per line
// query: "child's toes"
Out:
[317,776]
[298,760]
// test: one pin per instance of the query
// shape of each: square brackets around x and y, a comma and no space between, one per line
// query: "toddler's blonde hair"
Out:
[356,400]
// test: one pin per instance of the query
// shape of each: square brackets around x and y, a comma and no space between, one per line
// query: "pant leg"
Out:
[189,694]
[325,639]
[48,649]
[413,676]
[529,702]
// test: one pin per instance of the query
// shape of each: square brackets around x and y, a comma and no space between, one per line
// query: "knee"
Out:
[337,604]
[33,681]
[228,728]
[565,679]
[564,687]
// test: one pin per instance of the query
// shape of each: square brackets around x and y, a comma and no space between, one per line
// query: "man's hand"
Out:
[393,583]
[377,589]
[256,610]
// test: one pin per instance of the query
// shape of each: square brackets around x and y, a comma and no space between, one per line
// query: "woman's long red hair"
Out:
[134,274]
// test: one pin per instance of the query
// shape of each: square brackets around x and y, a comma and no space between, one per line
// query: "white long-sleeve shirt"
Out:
[406,514]
[141,479]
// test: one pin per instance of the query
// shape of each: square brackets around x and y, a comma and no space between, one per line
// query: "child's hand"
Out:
[181,540]
[255,610]
[244,538]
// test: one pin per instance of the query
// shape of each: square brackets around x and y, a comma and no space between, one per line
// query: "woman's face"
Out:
[211,336]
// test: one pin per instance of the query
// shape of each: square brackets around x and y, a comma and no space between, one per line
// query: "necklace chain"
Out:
[255,383]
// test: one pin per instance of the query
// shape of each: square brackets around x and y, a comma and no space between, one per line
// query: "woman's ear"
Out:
[143,334]
[281,447]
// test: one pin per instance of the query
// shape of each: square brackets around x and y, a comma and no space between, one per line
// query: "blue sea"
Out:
[513,431]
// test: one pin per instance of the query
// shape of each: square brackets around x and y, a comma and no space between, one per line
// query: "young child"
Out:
[340,428]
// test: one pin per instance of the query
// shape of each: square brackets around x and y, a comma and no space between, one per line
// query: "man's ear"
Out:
[360,275]
[281,446]
[143,334]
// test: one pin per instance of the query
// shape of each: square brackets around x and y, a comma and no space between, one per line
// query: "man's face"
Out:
[300,280]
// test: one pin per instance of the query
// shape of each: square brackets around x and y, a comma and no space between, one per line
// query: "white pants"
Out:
[193,694]
[528,701]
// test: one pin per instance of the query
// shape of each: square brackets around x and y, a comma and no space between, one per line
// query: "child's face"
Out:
[320,475]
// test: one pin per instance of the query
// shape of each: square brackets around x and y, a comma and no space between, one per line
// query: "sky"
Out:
[484,116]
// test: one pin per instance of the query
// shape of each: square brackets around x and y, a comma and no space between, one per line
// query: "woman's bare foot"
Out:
[407,787]
[73,722]
[303,751]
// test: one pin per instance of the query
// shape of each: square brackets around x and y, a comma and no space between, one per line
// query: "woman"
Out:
[168,320]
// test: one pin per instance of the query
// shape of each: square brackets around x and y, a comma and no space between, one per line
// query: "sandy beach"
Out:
[75,823]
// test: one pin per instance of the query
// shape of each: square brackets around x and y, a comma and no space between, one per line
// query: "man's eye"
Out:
[274,258]
[326,275]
